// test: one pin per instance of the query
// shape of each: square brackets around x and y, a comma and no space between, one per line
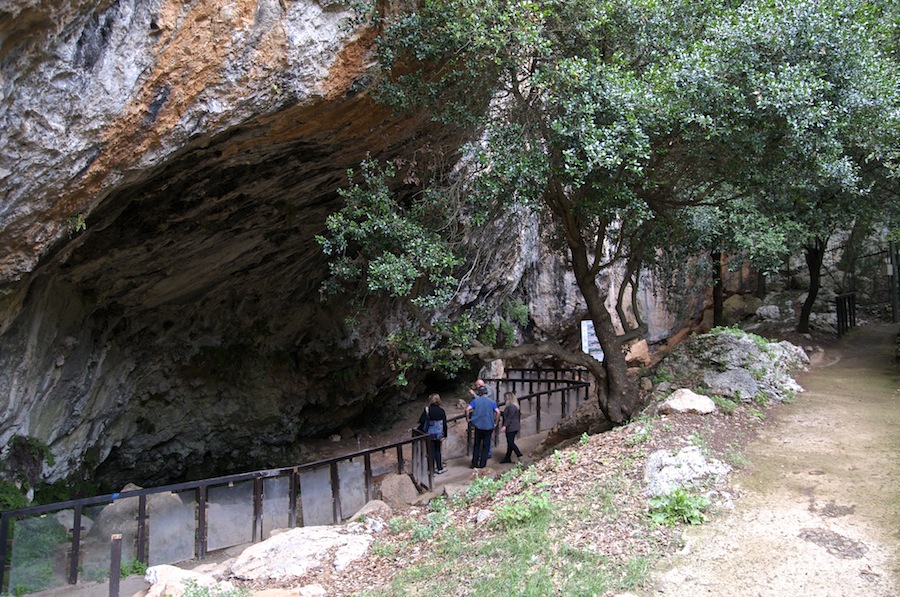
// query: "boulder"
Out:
[67,519]
[398,491]
[171,581]
[298,551]
[638,353]
[666,471]
[769,313]
[685,401]
[733,383]
[716,353]
[376,508]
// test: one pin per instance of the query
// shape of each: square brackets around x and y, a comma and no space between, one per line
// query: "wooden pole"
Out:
[115,564]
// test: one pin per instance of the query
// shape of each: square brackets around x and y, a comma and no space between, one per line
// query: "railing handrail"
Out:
[188,485]
[7,516]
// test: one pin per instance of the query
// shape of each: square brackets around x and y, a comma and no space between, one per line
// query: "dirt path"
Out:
[819,513]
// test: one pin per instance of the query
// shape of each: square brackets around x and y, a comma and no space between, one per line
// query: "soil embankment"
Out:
[819,512]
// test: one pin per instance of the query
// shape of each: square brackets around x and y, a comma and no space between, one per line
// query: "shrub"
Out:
[726,405]
[482,486]
[662,375]
[11,497]
[35,540]
[132,567]
[522,508]
[678,506]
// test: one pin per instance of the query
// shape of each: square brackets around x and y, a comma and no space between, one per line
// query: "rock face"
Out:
[164,169]
[739,365]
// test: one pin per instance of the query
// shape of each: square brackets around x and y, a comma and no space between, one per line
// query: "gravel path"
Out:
[819,513]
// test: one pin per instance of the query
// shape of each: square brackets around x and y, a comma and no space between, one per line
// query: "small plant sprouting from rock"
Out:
[662,375]
[76,224]
[584,439]
[677,507]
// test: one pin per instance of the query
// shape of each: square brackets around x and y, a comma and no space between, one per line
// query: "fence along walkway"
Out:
[49,546]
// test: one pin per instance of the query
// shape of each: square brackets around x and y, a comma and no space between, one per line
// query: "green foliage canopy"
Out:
[631,126]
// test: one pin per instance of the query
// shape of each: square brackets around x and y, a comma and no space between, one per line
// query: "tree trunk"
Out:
[718,289]
[815,256]
[621,397]
[761,289]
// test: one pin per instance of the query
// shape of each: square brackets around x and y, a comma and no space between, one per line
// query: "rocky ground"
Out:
[812,507]
[811,510]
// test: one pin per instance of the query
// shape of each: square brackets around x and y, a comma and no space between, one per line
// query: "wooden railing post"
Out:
[115,564]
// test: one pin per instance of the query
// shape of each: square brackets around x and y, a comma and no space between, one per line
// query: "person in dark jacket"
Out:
[512,424]
[433,421]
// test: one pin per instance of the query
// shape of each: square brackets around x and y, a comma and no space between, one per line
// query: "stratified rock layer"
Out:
[165,168]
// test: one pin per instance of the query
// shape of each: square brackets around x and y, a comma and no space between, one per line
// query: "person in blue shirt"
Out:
[483,414]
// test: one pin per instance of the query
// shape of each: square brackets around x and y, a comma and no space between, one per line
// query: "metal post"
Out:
[292,497]
[76,546]
[370,484]
[4,544]
[115,564]
[336,492]
[257,533]
[202,532]
[895,281]
[142,529]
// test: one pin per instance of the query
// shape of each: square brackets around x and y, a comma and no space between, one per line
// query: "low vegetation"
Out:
[574,523]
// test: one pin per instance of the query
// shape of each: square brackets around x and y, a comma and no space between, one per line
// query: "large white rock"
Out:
[295,552]
[665,471]
[171,581]
[685,401]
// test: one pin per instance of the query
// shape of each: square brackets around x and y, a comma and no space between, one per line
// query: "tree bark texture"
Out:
[815,255]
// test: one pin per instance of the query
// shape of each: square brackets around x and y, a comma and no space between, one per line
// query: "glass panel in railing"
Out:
[39,555]
[172,526]
[100,524]
[276,504]
[229,515]
[316,496]
[528,421]
[353,486]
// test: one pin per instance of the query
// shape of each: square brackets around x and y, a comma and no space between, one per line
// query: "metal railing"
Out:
[208,515]
[846,312]
[262,490]
[564,383]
